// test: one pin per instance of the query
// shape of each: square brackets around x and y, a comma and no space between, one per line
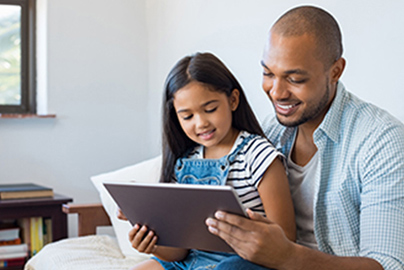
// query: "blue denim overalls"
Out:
[207,171]
[203,172]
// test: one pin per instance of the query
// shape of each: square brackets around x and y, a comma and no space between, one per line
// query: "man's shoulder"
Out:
[366,116]
[364,126]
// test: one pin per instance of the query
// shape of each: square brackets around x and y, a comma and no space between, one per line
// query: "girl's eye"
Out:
[187,117]
[211,110]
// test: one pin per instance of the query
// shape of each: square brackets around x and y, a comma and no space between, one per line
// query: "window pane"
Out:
[10,55]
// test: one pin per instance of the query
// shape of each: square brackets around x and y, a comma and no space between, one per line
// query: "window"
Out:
[17,56]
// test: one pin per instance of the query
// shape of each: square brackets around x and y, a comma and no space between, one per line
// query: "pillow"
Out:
[147,172]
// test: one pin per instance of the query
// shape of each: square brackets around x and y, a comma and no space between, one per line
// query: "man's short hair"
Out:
[317,22]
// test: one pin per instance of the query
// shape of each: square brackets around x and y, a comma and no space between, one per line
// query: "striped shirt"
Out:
[247,169]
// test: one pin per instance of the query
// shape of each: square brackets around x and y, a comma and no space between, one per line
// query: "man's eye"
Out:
[297,81]
[267,74]
[211,110]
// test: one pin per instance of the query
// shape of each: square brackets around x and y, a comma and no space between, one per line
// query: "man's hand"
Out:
[263,242]
[256,239]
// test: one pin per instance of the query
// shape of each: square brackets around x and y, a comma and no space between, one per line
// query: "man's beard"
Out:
[310,113]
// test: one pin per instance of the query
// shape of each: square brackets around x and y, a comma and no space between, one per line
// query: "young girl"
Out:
[211,136]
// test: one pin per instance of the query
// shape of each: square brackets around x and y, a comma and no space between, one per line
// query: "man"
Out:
[345,160]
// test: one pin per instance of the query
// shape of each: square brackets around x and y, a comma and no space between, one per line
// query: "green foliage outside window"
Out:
[10,55]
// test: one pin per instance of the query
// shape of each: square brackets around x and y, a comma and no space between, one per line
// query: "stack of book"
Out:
[9,234]
[8,263]
[12,251]
[22,238]
[24,191]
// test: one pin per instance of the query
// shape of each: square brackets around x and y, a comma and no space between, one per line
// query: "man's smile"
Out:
[286,109]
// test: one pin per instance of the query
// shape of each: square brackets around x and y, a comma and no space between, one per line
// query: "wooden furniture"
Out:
[90,216]
[39,207]
[91,251]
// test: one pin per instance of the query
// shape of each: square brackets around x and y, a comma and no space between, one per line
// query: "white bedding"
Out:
[95,252]
[100,251]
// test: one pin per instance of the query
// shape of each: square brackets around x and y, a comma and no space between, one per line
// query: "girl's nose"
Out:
[202,121]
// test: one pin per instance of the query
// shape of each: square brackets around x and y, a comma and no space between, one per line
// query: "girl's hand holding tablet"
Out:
[142,239]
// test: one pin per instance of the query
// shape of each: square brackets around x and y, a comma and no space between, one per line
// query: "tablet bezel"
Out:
[177,212]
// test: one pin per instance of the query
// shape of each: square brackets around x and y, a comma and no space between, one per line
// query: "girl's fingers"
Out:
[144,244]
[142,239]
[133,232]
[152,246]
[136,235]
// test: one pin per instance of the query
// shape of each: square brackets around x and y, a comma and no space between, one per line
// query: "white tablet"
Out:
[177,212]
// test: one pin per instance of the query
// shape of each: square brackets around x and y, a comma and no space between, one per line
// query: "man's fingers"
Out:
[250,238]
[255,216]
[228,232]
[241,222]
[227,225]
[239,232]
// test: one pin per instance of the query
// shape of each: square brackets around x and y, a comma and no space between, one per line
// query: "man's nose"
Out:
[277,89]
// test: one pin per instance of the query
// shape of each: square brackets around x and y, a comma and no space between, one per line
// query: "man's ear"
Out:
[337,69]
[234,99]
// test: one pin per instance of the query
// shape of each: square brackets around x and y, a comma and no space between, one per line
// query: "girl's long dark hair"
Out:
[206,69]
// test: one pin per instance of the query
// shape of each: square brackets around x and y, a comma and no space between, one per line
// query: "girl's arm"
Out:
[145,241]
[275,195]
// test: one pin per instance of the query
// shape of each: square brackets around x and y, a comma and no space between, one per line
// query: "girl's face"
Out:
[206,117]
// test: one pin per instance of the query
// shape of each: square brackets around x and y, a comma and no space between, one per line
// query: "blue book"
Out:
[24,191]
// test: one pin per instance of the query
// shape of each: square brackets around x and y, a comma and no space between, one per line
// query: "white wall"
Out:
[236,30]
[107,62]
[97,87]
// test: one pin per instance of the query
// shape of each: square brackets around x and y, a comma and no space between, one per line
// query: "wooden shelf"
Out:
[38,207]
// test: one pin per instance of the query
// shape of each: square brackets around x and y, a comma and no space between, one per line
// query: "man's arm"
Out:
[263,242]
